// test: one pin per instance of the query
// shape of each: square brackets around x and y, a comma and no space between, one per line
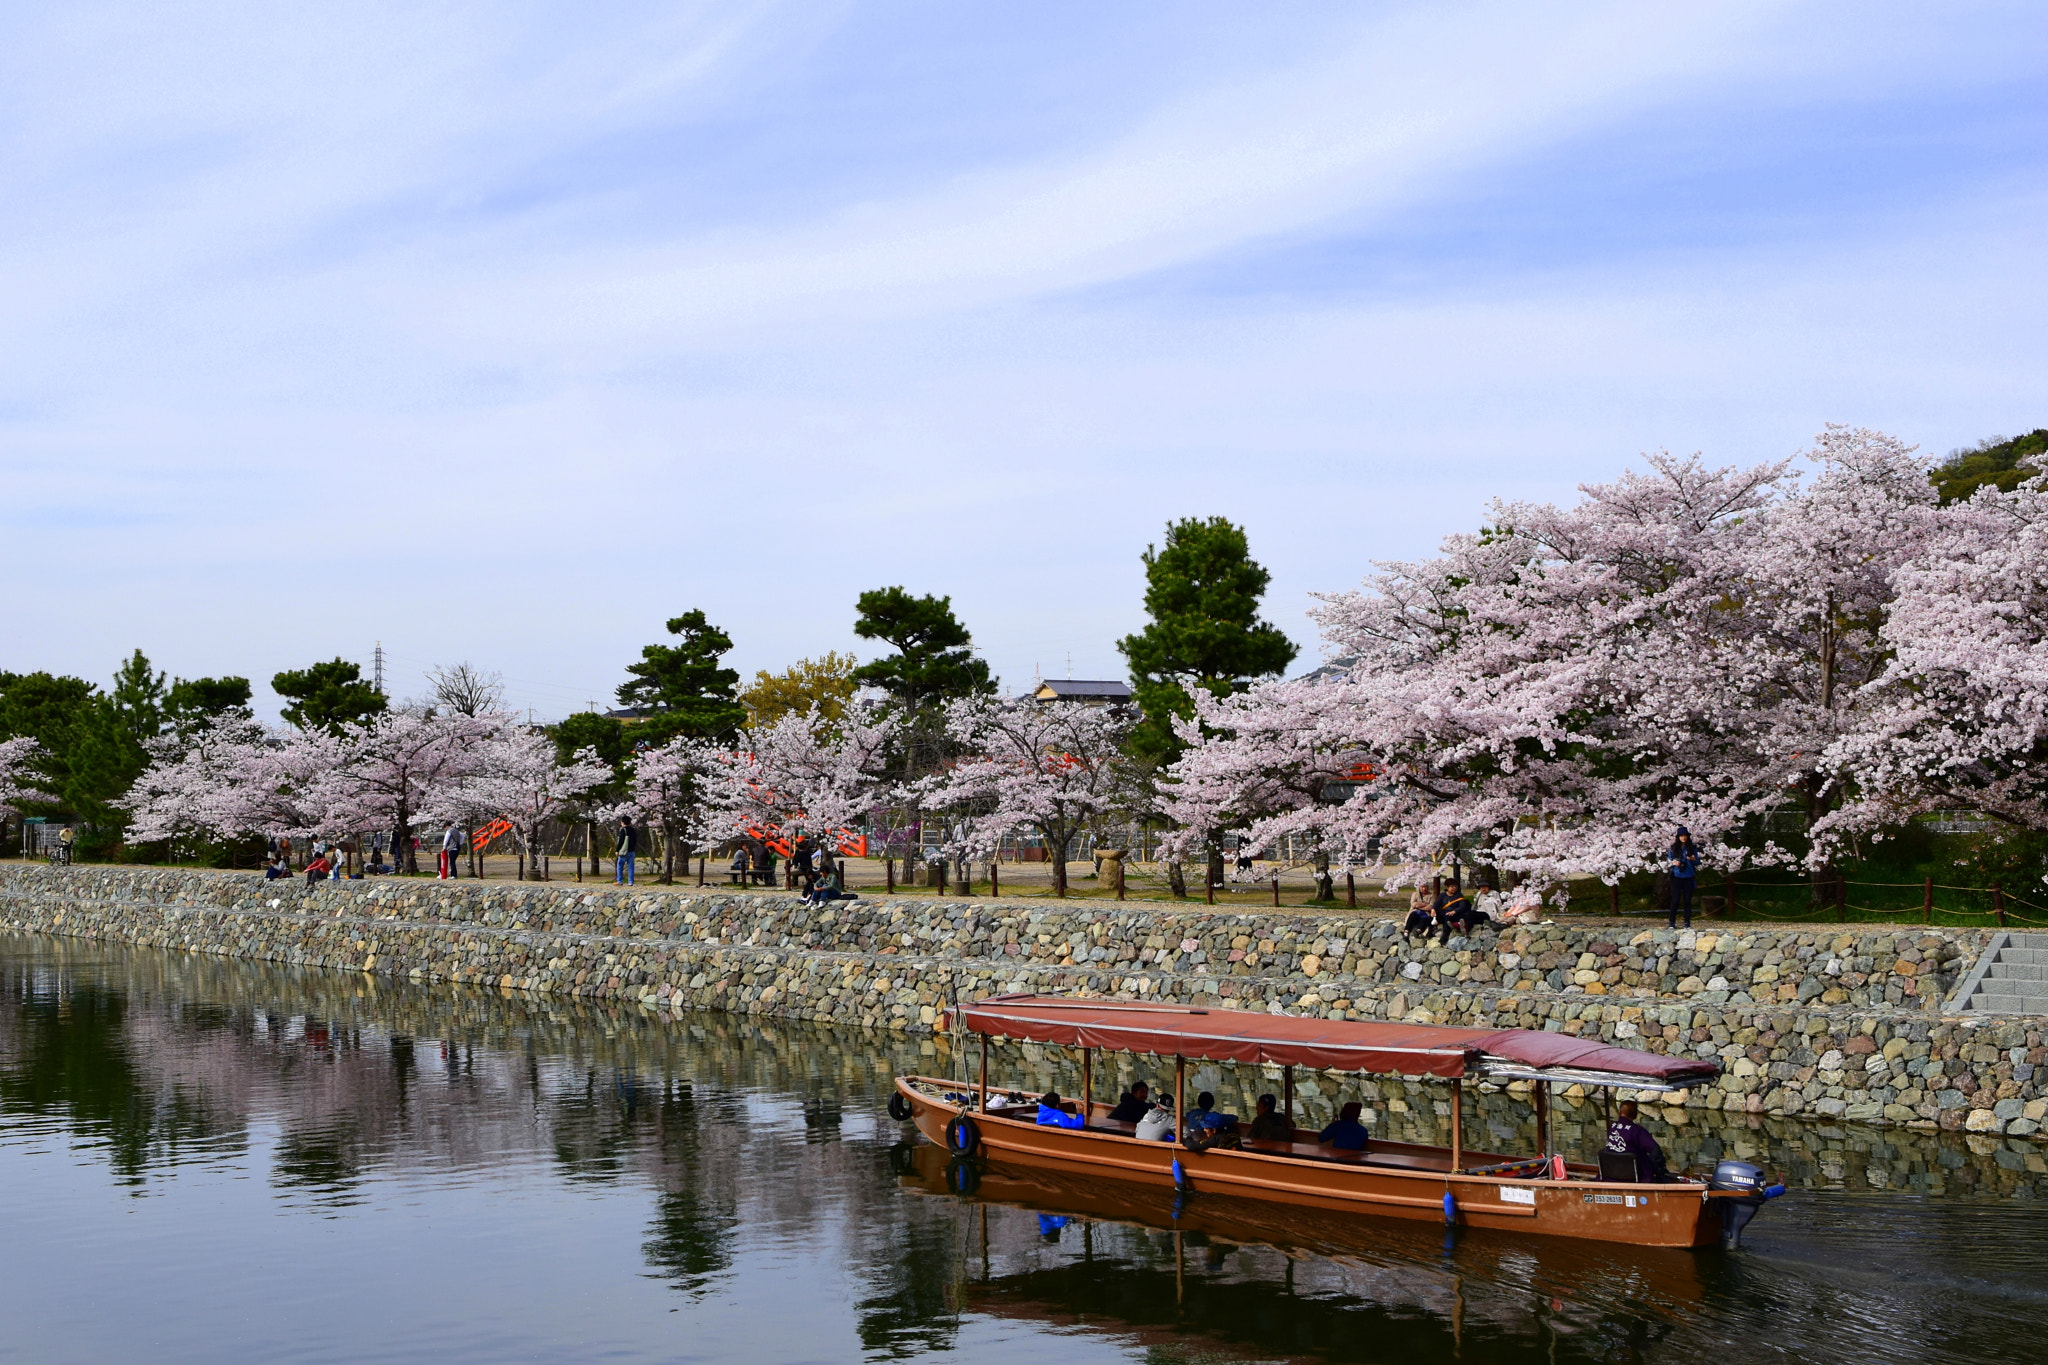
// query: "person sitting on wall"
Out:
[1626,1137]
[1469,919]
[1420,919]
[1052,1112]
[318,869]
[1453,910]
[1134,1105]
[276,870]
[1267,1123]
[1347,1134]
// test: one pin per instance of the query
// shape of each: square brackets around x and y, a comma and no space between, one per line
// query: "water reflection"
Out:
[573,1179]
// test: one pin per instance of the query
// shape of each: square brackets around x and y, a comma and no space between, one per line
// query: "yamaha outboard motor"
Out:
[1746,1181]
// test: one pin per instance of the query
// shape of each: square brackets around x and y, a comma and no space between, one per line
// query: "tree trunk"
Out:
[1059,864]
[1214,871]
[668,857]
[1177,879]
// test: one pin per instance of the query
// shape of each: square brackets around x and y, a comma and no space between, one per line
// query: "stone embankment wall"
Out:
[1838,1023]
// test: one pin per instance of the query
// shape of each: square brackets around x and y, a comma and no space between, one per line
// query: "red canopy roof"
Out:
[1220,1035]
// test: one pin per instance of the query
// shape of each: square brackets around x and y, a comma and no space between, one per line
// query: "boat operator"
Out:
[1626,1137]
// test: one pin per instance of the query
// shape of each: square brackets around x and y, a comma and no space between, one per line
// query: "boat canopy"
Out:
[1222,1035]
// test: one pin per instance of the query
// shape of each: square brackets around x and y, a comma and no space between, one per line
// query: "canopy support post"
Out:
[1287,1097]
[1457,1126]
[1180,1089]
[984,1073]
[1543,1118]
[1088,1081]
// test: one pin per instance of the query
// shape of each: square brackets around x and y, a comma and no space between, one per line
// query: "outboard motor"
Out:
[1747,1181]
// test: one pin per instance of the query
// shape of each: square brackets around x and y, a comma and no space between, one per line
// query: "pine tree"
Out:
[1202,592]
[328,695]
[682,686]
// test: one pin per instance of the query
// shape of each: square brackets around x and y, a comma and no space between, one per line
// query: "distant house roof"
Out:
[1082,689]
[630,713]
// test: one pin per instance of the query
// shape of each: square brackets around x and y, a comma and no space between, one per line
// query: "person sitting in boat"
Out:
[1134,1105]
[1626,1137]
[1052,1112]
[1157,1126]
[1212,1130]
[1347,1134]
[1268,1125]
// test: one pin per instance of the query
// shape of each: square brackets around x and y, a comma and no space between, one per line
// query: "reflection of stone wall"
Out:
[1835,1024]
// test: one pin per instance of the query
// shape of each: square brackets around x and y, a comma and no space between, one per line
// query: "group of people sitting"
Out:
[1204,1126]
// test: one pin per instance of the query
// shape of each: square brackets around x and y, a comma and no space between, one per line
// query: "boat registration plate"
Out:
[1510,1194]
[1626,1200]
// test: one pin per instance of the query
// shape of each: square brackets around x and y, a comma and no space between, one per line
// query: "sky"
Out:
[504,333]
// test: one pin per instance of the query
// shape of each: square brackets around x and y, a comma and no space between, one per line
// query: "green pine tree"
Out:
[934,659]
[1202,591]
[682,687]
[328,695]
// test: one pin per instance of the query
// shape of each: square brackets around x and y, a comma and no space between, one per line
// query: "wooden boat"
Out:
[1402,1180]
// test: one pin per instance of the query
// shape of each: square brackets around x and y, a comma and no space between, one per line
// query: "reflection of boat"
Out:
[1666,1276]
[1544,1195]
[1288,1284]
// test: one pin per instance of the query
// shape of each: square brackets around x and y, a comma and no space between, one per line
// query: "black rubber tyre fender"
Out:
[899,1108]
[962,1177]
[963,1136]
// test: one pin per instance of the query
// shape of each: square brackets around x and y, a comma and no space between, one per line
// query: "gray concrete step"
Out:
[2036,957]
[2009,977]
[2016,971]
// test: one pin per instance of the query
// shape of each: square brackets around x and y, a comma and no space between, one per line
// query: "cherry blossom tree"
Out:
[515,774]
[18,774]
[1553,695]
[671,790]
[1054,767]
[1964,716]
[807,774]
[396,765]
[234,779]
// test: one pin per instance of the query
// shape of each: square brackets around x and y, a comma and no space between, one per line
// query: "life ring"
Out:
[899,1108]
[963,1138]
[962,1177]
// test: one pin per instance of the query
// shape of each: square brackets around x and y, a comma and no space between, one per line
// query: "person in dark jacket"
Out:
[1626,1137]
[629,845]
[1347,1134]
[1134,1104]
[1683,858]
[1268,1125]
[1454,911]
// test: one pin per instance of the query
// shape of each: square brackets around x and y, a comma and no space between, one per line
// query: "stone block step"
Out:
[2007,1004]
[2016,971]
[2036,957]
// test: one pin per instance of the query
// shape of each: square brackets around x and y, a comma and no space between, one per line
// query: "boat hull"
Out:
[1649,1215]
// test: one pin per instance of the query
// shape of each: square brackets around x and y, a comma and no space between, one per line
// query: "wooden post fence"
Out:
[1998,902]
[1927,903]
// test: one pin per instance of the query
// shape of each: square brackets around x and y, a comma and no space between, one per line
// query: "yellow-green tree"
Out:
[825,682]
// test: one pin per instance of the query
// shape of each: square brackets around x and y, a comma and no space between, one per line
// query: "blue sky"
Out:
[503,333]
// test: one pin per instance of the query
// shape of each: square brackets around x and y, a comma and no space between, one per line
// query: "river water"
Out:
[206,1160]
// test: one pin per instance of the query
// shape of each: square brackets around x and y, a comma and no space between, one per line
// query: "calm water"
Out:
[212,1161]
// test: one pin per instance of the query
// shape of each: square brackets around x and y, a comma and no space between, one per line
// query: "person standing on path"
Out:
[1684,858]
[629,844]
[451,850]
[65,838]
